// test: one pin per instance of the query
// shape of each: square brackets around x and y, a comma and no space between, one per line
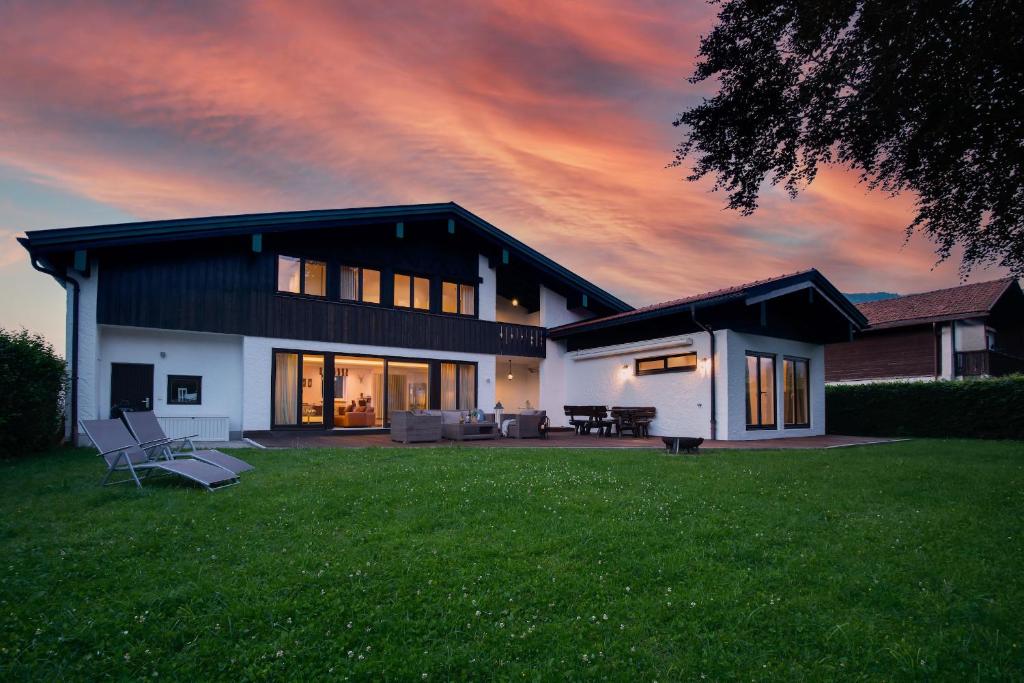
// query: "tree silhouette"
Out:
[925,96]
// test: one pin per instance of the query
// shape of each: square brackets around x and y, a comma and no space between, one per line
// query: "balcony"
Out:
[990,362]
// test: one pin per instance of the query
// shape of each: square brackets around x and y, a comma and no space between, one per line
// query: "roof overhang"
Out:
[44,243]
[752,295]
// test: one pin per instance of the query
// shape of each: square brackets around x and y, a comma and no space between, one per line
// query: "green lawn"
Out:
[885,562]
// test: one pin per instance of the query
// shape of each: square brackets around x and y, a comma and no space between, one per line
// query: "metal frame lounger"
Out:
[147,429]
[123,453]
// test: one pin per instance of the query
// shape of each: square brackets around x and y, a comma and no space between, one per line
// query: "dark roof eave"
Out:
[99,236]
[911,322]
[812,276]
[570,329]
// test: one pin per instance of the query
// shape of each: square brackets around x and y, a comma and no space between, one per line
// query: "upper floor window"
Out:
[796,392]
[301,276]
[458,298]
[683,362]
[412,292]
[360,284]
[760,390]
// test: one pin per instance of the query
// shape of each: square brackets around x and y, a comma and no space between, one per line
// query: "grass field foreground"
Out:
[900,561]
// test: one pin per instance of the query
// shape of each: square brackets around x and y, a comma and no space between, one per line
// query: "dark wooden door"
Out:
[131,387]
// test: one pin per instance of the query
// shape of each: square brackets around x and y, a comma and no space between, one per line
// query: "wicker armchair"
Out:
[407,426]
[529,426]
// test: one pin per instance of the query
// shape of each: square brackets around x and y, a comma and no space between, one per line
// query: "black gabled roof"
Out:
[62,240]
[778,284]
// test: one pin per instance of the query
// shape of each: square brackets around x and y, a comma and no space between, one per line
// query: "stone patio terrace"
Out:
[556,439]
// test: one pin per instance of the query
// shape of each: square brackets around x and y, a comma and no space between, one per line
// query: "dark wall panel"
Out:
[228,289]
[902,352]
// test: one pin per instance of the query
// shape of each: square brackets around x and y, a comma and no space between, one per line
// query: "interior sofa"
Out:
[358,418]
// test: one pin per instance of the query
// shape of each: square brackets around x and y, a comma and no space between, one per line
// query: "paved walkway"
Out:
[300,439]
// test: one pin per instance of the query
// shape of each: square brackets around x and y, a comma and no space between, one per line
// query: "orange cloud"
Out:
[551,120]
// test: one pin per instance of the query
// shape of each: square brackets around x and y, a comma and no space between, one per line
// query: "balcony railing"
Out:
[992,363]
[521,340]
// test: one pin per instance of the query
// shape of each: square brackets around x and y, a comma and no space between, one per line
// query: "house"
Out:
[966,331]
[332,320]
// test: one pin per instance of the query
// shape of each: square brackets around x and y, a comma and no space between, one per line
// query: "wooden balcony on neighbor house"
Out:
[987,363]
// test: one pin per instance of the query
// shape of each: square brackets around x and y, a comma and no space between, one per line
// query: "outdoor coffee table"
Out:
[472,431]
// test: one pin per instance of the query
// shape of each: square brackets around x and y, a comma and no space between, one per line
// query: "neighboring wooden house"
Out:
[967,331]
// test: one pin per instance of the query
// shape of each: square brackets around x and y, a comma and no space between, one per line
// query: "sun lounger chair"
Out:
[124,453]
[146,428]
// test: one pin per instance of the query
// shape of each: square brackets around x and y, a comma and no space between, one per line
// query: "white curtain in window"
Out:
[448,379]
[398,397]
[467,299]
[349,283]
[286,388]
[467,387]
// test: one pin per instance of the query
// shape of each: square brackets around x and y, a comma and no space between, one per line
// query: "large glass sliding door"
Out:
[408,386]
[358,392]
[330,390]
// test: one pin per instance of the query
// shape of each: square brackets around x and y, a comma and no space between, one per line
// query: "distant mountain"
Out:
[861,297]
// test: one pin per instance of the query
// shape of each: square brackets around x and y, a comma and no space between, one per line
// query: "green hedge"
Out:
[32,382]
[980,408]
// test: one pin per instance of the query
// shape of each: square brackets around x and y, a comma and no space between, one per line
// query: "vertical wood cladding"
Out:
[900,352]
[224,287]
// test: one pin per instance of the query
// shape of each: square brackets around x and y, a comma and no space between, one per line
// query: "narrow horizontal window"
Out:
[682,362]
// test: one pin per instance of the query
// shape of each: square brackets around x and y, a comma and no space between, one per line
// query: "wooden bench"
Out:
[585,418]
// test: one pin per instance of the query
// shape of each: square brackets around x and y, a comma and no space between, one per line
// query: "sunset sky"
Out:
[551,120]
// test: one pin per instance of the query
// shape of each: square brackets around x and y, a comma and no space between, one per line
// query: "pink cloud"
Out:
[551,120]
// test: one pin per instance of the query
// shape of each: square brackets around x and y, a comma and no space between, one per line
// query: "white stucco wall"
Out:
[88,347]
[524,386]
[734,375]
[505,312]
[946,351]
[488,289]
[553,367]
[682,399]
[257,355]
[217,358]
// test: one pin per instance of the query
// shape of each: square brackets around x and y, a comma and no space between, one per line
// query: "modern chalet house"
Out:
[332,320]
[968,331]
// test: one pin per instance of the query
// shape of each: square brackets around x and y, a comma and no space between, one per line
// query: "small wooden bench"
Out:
[688,444]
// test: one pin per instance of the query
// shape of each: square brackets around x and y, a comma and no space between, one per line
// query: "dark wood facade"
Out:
[225,286]
[879,354]
[799,316]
